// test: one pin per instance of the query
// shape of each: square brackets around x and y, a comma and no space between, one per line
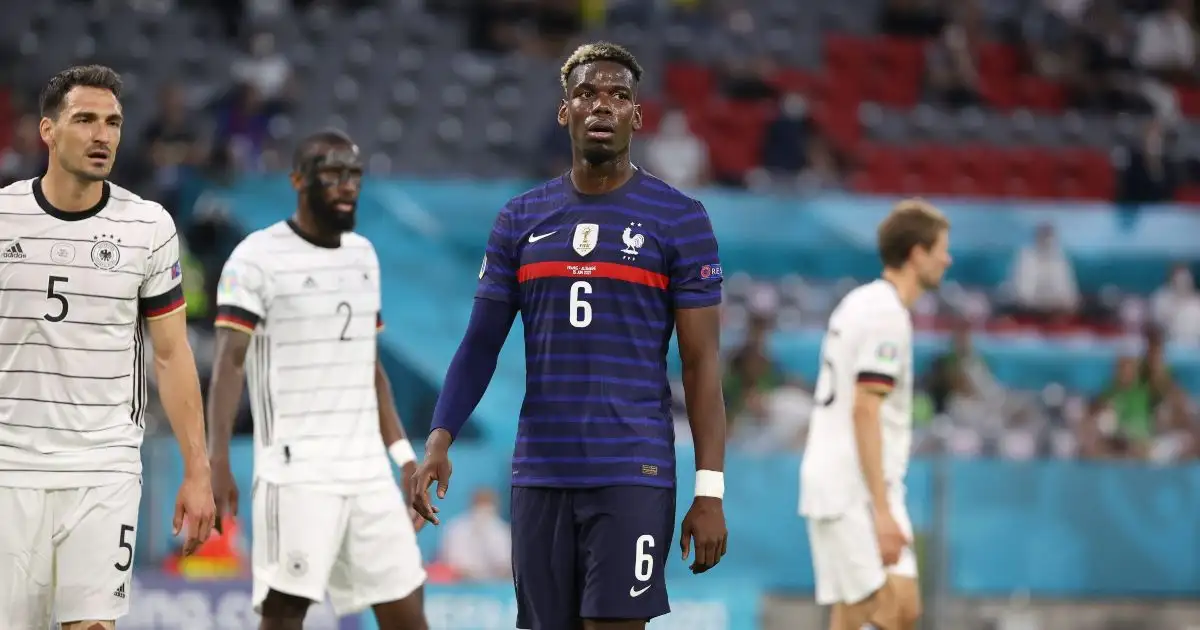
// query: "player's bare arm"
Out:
[467,379]
[179,385]
[699,331]
[224,399]
[868,397]
[391,428]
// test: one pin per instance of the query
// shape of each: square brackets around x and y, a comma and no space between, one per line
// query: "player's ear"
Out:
[637,117]
[46,131]
[297,181]
[562,113]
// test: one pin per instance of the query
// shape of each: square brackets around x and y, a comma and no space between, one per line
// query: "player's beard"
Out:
[326,215]
[330,218]
[596,155]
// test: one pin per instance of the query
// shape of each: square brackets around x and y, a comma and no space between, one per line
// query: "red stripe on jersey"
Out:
[236,322]
[614,271]
[874,378]
[166,310]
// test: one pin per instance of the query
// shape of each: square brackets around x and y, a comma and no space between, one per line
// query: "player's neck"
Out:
[308,230]
[906,284]
[69,193]
[598,179]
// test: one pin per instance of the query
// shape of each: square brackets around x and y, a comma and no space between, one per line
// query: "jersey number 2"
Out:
[345,306]
[53,294]
[581,310]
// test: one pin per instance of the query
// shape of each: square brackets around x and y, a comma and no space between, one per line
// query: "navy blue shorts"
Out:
[590,553]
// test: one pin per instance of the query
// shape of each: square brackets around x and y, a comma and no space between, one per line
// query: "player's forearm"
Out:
[224,400]
[391,428]
[179,387]
[706,410]
[868,438]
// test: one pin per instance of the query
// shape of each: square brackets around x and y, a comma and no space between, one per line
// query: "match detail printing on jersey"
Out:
[314,313]
[597,279]
[75,288]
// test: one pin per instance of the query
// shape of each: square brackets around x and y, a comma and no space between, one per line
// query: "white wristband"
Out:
[402,452]
[710,483]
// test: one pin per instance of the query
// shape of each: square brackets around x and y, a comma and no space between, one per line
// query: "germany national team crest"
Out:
[585,238]
[105,254]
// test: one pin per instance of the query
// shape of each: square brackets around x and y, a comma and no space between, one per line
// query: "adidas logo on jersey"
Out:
[14,252]
[309,283]
[120,592]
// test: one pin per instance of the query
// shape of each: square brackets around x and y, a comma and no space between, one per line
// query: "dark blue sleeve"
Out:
[473,364]
[498,275]
[695,267]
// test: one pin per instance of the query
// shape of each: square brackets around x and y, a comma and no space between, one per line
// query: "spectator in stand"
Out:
[912,18]
[478,544]
[752,377]
[952,68]
[676,154]
[746,79]
[243,127]
[1104,77]
[1049,32]
[1043,279]
[264,68]
[172,144]
[1175,307]
[1147,173]
[786,139]
[1166,43]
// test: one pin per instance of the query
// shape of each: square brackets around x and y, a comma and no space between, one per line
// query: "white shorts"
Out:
[359,548]
[845,554]
[66,555]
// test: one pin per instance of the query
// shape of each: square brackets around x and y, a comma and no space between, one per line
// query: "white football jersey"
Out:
[314,313]
[869,340]
[74,289]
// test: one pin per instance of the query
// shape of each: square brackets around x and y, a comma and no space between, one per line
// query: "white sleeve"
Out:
[161,292]
[880,349]
[243,292]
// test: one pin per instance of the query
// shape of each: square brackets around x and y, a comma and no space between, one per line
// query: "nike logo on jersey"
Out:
[534,239]
[635,591]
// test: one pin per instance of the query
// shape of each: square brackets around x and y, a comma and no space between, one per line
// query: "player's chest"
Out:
[91,262]
[349,287]
[594,237]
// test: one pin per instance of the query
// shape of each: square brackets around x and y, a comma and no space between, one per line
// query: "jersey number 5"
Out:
[53,294]
[581,310]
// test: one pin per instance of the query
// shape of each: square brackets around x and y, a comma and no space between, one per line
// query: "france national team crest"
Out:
[633,241]
[585,238]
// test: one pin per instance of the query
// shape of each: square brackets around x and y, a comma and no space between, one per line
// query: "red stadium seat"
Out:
[686,82]
[1040,95]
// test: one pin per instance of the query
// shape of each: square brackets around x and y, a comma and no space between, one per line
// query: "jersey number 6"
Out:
[53,294]
[581,310]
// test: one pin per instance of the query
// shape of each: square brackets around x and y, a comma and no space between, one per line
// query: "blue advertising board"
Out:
[166,603]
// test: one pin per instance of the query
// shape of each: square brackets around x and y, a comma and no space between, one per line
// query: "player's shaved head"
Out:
[54,94]
[599,51]
[315,144]
[912,223]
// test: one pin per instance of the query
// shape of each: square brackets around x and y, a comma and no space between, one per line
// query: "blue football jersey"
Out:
[597,280]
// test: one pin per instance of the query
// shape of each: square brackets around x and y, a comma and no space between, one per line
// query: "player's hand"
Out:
[225,491]
[704,524]
[406,474]
[435,467]
[194,510]
[891,538]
